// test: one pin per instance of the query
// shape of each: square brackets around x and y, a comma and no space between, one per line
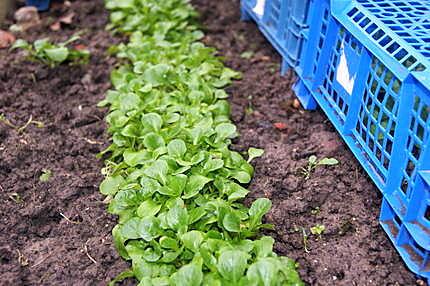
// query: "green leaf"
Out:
[178,183]
[254,153]
[194,185]
[258,209]
[156,75]
[225,130]
[192,240]
[20,44]
[168,242]
[151,255]
[130,229]
[149,228]
[110,185]
[153,141]
[177,148]
[231,222]
[45,176]
[264,246]
[177,218]
[152,121]
[263,272]
[188,275]
[120,277]
[213,165]
[247,55]
[313,159]
[242,177]
[119,240]
[232,264]
[158,170]
[129,101]
[328,161]
[237,192]
[317,229]
[133,158]
[148,208]
[58,54]
[196,214]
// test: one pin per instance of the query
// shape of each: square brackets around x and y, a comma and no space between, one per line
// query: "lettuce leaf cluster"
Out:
[171,178]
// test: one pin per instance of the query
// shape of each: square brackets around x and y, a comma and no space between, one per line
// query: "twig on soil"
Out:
[21,129]
[69,220]
[41,260]
[7,122]
[33,77]
[23,261]
[87,253]
[92,142]
[305,240]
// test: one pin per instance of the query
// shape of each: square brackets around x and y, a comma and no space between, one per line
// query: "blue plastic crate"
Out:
[415,256]
[282,22]
[365,64]
[41,5]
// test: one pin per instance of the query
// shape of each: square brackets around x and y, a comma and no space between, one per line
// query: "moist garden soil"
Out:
[58,232]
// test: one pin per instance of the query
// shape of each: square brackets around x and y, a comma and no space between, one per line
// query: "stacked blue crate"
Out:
[282,22]
[366,63]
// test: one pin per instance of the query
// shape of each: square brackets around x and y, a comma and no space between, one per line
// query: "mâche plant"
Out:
[51,54]
[313,163]
[171,177]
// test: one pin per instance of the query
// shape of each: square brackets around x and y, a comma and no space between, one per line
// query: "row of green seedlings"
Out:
[170,176]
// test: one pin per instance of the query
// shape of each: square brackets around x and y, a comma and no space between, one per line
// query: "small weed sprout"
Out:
[254,153]
[316,211]
[51,54]
[313,163]
[15,197]
[318,229]
[247,55]
[45,176]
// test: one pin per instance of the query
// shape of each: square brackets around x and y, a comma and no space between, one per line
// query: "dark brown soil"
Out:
[51,232]
[353,250]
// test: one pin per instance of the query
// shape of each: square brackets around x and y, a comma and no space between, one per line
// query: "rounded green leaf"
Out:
[176,148]
[263,272]
[58,54]
[192,240]
[152,121]
[188,275]
[232,264]
[149,228]
[153,141]
[254,153]
[225,130]
[148,208]
[194,185]
[231,222]
[110,185]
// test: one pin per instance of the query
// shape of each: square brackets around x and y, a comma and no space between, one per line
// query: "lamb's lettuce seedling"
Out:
[254,153]
[317,229]
[46,52]
[45,176]
[313,163]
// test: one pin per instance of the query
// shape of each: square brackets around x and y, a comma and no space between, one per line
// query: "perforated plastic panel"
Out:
[401,28]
